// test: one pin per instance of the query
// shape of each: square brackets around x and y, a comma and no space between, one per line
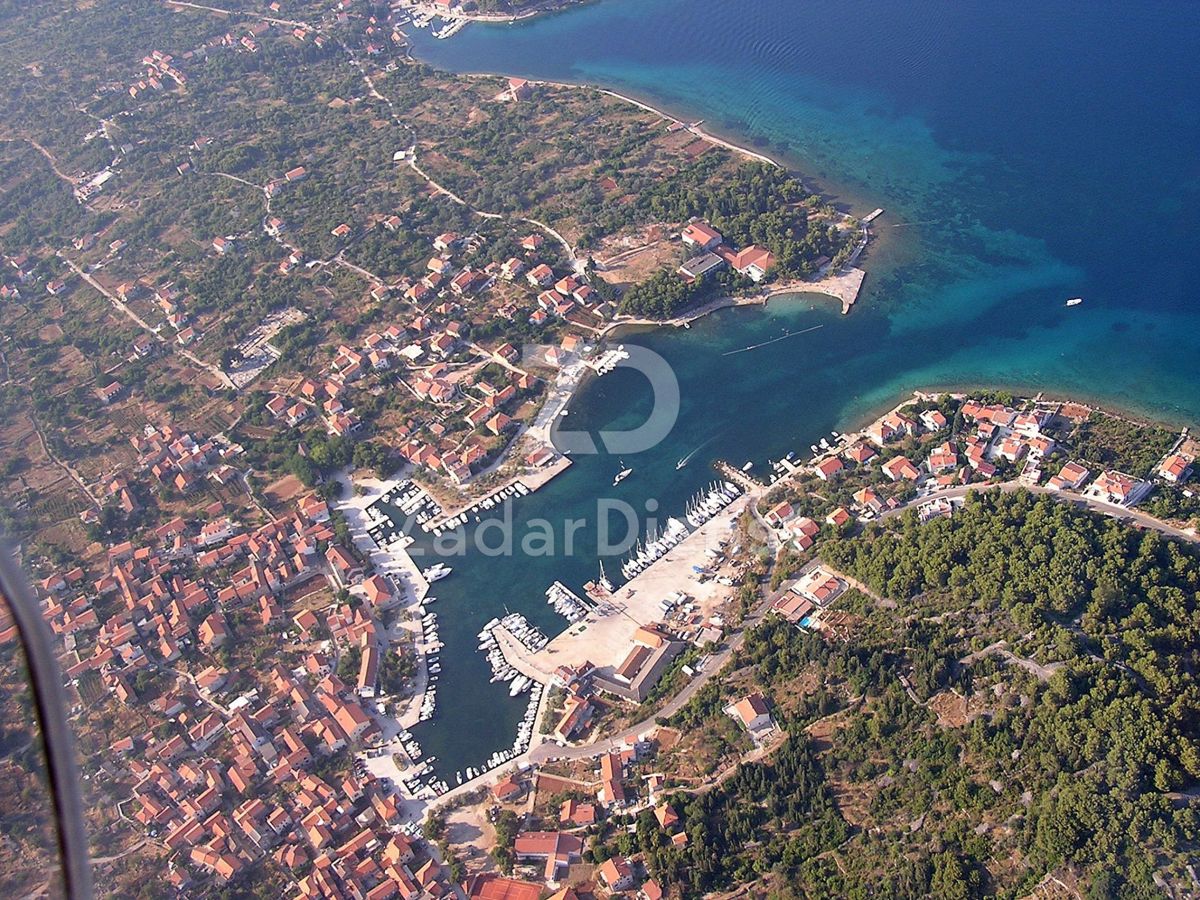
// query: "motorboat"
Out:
[436,572]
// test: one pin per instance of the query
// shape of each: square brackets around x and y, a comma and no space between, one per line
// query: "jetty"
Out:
[517,655]
[609,360]
[743,479]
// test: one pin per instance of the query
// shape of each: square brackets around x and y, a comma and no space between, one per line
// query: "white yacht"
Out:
[436,572]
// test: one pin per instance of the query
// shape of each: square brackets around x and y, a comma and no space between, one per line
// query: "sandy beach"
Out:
[843,287]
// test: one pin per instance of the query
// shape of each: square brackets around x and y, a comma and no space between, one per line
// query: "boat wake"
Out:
[687,459]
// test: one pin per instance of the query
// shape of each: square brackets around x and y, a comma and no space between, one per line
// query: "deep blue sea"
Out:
[1025,153]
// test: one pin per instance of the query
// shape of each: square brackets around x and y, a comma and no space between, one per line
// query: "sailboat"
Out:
[604,582]
[623,474]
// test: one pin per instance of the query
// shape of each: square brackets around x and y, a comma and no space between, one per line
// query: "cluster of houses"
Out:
[175,458]
[157,66]
[23,268]
[713,254]
[162,601]
[997,434]
[449,393]
[565,298]
[422,349]
[233,781]
[549,856]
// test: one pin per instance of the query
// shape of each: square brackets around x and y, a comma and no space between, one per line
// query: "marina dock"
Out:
[518,656]
[528,482]
[606,640]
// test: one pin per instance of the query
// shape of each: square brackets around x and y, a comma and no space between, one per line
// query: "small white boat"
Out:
[621,476]
[1074,301]
[436,572]
[747,467]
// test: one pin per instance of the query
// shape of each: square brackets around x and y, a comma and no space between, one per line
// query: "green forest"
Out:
[1072,640]
[756,204]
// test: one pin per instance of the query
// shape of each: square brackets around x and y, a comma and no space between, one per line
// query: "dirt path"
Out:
[49,157]
[60,463]
[121,306]
[1000,648]
[440,188]
[291,23]
[132,848]
[340,260]
[257,187]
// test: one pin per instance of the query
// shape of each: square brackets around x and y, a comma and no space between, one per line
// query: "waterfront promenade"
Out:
[355,498]
[606,639]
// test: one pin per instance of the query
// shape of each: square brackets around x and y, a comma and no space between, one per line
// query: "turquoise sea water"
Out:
[1025,153]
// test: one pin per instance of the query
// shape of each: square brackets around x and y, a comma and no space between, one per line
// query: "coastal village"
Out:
[234,767]
[230,408]
[225,365]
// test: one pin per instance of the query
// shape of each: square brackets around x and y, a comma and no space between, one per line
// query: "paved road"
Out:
[714,663]
[1108,509]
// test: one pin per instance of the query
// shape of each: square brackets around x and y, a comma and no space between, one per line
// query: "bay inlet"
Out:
[1003,200]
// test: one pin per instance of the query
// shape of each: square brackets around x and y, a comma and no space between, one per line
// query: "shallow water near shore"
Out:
[1025,154]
